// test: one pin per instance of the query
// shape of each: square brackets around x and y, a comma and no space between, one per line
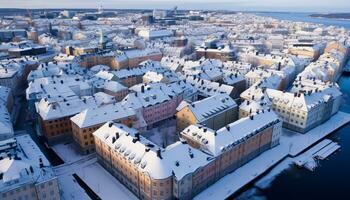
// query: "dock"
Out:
[320,151]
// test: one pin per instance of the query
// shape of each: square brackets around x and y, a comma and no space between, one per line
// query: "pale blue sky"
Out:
[243,5]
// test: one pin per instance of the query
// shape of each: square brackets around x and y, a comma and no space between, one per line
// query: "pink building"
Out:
[155,102]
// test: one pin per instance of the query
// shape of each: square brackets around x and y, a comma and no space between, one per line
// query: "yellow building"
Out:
[213,112]
[89,120]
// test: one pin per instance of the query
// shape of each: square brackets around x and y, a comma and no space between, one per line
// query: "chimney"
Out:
[110,125]
[41,164]
[251,117]
[143,89]
[116,135]
[113,140]
[228,128]
[191,155]
[159,154]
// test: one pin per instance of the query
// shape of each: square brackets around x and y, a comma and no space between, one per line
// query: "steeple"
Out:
[103,40]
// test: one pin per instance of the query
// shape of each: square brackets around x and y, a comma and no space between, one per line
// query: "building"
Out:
[8,35]
[305,109]
[25,171]
[136,56]
[156,102]
[150,172]
[209,88]
[116,89]
[237,143]
[26,51]
[89,120]
[54,115]
[6,105]
[181,170]
[213,112]
[150,34]
[227,53]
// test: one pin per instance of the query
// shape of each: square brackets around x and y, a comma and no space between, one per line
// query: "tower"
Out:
[100,9]
[103,40]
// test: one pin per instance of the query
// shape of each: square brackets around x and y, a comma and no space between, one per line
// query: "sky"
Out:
[237,5]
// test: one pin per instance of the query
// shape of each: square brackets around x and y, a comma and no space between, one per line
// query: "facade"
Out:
[135,57]
[223,54]
[151,172]
[237,143]
[213,112]
[155,102]
[305,109]
[181,170]
[25,172]
[54,122]
[89,120]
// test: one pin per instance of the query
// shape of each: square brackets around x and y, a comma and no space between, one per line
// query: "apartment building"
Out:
[226,53]
[136,56]
[89,120]
[25,171]
[181,170]
[156,102]
[150,172]
[213,112]
[305,109]
[237,143]
[116,89]
[54,115]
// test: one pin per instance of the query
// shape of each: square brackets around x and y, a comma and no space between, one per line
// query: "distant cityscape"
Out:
[162,104]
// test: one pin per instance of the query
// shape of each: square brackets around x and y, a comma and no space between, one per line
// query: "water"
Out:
[331,180]
[305,17]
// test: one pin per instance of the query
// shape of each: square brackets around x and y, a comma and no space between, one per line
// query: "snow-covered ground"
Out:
[91,172]
[70,189]
[68,152]
[291,144]
[103,183]
[299,142]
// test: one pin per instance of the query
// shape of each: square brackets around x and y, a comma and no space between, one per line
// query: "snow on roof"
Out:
[102,98]
[105,75]
[152,94]
[56,86]
[114,86]
[147,33]
[178,158]
[136,53]
[143,68]
[305,100]
[152,76]
[98,68]
[216,142]
[50,109]
[102,114]
[211,106]
[209,88]
[21,163]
